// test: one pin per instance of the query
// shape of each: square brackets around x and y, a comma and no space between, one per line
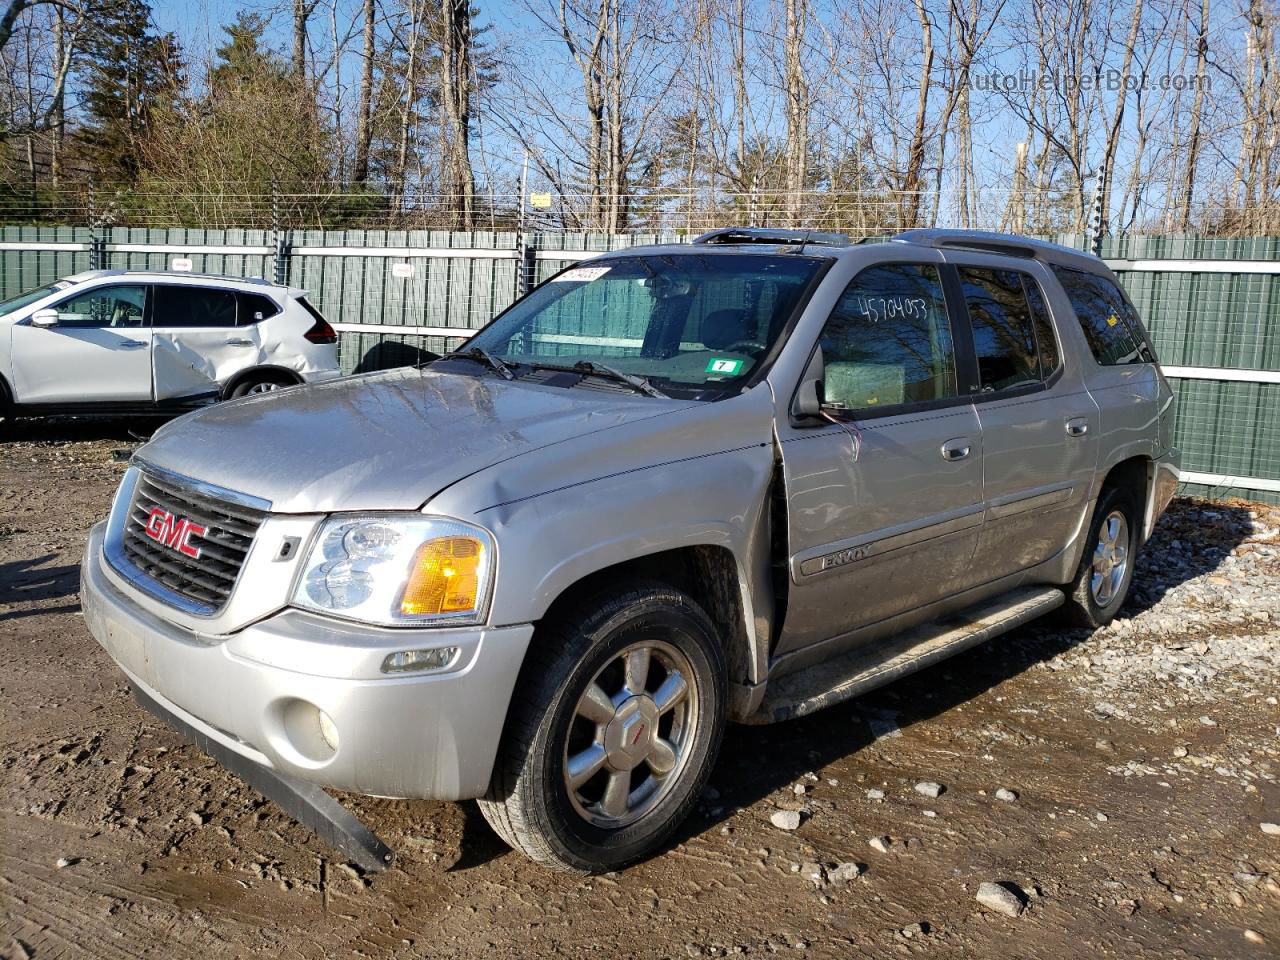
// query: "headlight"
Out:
[398,570]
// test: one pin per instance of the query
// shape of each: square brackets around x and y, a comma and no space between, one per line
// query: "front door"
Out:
[99,350]
[885,500]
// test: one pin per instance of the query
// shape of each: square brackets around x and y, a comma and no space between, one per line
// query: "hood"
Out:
[386,441]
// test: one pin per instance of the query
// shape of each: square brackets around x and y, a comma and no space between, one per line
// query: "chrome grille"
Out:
[206,580]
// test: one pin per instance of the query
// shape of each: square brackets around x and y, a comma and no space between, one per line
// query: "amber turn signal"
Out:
[445,577]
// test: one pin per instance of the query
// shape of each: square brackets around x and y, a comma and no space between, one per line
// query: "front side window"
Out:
[1109,322]
[888,340]
[693,324]
[183,306]
[120,306]
[1004,337]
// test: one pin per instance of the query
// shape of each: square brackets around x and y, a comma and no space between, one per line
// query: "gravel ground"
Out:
[1053,794]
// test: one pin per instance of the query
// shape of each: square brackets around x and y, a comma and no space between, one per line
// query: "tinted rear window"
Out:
[254,307]
[1109,322]
[193,307]
[1003,332]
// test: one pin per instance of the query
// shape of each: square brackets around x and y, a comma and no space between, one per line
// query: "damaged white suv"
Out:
[113,342]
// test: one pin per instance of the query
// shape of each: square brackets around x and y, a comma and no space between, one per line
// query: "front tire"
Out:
[1101,584]
[612,732]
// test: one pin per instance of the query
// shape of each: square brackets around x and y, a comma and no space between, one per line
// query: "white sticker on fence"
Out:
[181,264]
[580,275]
[402,270]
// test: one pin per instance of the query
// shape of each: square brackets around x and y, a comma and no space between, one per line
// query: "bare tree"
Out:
[364,107]
[457,78]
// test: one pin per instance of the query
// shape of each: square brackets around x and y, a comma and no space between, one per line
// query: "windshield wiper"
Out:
[590,368]
[483,357]
[600,370]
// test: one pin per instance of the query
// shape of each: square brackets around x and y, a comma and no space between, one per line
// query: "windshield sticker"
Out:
[580,275]
[725,367]
[1112,320]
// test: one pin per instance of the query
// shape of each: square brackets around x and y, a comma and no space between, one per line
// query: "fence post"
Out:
[1095,221]
[97,248]
[526,260]
[280,241]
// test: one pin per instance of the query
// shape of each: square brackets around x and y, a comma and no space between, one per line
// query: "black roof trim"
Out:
[776,237]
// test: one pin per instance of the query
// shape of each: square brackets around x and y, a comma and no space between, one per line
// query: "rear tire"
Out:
[612,731]
[1102,580]
[260,383]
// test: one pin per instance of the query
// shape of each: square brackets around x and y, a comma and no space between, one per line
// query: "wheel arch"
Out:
[269,369]
[714,578]
[1136,474]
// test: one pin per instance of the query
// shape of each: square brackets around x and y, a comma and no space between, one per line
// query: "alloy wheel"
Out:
[631,734]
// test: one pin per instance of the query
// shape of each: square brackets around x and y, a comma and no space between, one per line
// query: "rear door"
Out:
[1039,424]
[99,351]
[884,502]
[200,343]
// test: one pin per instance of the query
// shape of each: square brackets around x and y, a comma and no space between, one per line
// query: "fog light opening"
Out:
[310,736]
[328,730]
[420,661]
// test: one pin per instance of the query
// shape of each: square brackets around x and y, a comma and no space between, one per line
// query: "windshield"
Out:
[693,325]
[31,296]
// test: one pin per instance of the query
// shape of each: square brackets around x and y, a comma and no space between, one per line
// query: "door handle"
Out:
[239,342]
[132,344]
[1077,427]
[956,449]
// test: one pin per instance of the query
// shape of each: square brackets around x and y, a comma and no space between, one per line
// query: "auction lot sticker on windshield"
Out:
[580,275]
[725,367]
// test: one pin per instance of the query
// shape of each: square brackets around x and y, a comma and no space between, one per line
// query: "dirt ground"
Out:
[1144,761]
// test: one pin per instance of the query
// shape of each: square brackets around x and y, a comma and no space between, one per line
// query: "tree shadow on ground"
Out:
[30,581]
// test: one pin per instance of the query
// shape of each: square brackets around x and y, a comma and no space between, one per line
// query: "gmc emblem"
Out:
[174,532]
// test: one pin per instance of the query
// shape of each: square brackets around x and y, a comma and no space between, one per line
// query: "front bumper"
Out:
[256,691]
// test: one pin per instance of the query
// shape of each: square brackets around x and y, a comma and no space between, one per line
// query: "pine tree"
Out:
[131,73]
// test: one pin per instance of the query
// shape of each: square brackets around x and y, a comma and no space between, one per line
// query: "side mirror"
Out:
[47,317]
[806,408]
[808,399]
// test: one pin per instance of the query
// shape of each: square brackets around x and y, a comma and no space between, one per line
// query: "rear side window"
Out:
[193,307]
[1004,336]
[1109,322]
[1046,340]
[888,340]
[254,307]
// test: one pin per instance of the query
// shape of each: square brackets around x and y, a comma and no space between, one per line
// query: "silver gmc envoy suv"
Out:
[672,487]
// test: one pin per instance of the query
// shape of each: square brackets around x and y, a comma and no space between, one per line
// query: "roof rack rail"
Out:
[736,235]
[985,241]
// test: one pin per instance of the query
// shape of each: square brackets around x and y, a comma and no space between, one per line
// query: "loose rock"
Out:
[930,789]
[881,844]
[845,872]
[1008,796]
[785,819]
[999,899]
[1271,828]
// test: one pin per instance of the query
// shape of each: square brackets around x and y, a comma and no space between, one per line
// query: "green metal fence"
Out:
[1212,306]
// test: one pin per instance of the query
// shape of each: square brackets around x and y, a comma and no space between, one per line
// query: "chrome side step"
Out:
[862,670]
